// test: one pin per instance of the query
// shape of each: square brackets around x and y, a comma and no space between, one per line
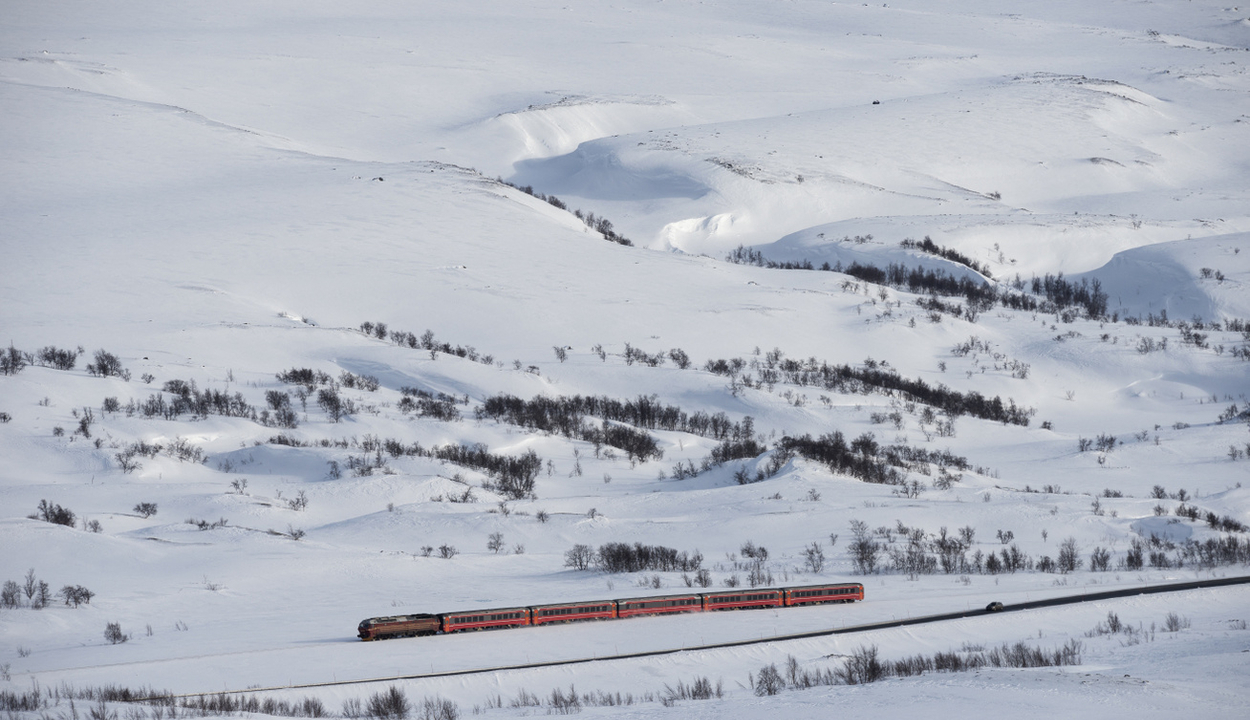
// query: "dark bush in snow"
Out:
[113,633]
[13,361]
[49,512]
[54,357]
[76,595]
[622,557]
[107,365]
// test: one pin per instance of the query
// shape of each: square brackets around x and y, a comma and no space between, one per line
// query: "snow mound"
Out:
[1180,278]
[1163,527]
[558,128]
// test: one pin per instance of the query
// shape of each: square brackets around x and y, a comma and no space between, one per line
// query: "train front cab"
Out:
[381,628]
[485,619]
[813,594]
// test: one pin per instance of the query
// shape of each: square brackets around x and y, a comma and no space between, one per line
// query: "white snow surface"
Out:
[216,192]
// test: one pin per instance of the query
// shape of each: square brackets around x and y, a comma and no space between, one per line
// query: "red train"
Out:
[381,628]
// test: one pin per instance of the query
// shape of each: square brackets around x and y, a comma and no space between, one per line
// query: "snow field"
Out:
[220,192]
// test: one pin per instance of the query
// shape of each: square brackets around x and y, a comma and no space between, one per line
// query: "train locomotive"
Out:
[393,626]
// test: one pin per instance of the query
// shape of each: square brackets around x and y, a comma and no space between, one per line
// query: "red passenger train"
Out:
[381,628]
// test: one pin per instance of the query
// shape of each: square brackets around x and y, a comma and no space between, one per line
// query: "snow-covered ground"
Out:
[216,193]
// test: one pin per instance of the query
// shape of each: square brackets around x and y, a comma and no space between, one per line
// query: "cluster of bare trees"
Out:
[36,594]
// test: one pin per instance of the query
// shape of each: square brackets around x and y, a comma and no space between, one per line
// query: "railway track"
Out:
[919,620]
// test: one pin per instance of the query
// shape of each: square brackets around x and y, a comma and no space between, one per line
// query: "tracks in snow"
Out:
[922,620]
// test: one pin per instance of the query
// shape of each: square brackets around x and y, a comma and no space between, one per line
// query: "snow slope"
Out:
[219,192]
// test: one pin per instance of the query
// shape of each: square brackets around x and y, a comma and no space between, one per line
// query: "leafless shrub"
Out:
[11,595]
[579,557]
[76,595]
[13,361]
[1175,623]
[299,502]
[562,703]
[768,681]
[439,708]
[865,551]
[107,365]
[113,633]
[863,666]
[49,512]
[700,689]
[100,711]
[391,704]
[1069,556]
[495,543]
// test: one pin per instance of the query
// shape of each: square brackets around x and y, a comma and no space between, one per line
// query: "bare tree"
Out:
[389,705]
[495,544]
[76,595]
[1069,556]
[31,585]
[865,552]
[814,557]
[1099,559]
[335,406]
[11,595]
[769,681]
[299,502]
[107,365]
[113,633]
[12,361]
[579,557]
[43,596]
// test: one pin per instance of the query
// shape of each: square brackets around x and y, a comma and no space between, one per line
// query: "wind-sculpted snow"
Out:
[1180,279]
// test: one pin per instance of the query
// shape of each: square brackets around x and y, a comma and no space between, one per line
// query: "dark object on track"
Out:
[381,628]
[995,606]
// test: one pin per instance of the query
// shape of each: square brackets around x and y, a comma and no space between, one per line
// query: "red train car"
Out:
[485,619]
[381,628]
[811,594]
[570,612]
[659,605]
[742,599]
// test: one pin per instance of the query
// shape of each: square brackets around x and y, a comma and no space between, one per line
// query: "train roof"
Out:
[581,603]
[747,591]
[397,618]
[649,598]
[484,610]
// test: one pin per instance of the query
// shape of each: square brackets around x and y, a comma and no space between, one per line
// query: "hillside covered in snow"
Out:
[315,312]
